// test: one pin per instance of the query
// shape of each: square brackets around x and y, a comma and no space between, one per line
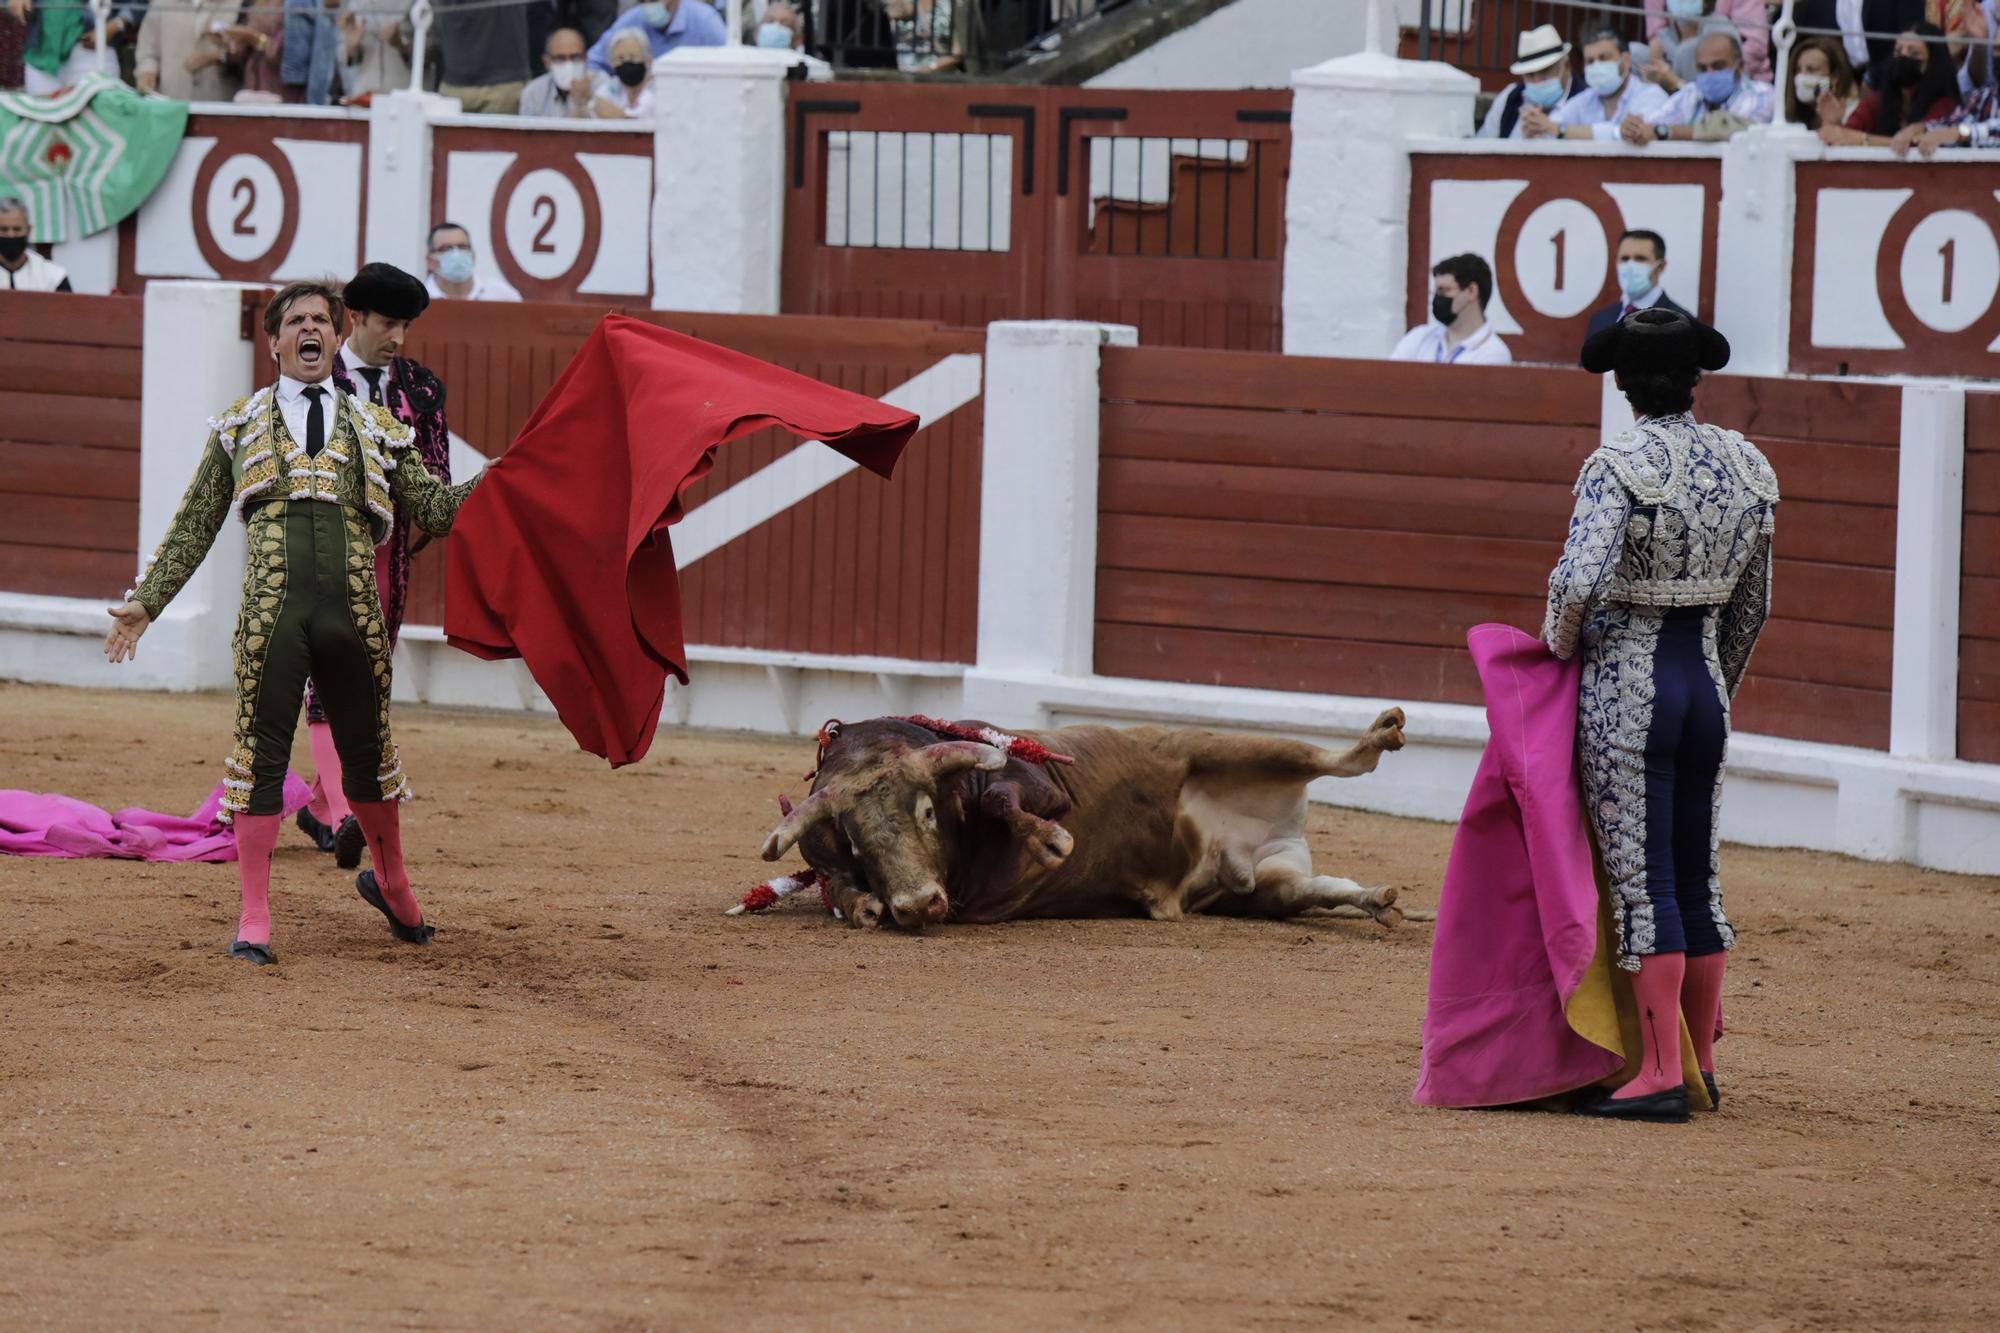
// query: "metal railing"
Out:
[926,36]
[1481,36]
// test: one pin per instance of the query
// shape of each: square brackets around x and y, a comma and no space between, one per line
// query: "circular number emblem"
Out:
[1937,268]
[545,227]
[246,211]
[1554,256]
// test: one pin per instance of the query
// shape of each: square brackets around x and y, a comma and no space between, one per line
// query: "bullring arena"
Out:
[1136,293]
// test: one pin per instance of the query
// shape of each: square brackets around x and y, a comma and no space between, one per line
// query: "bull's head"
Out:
[886,814]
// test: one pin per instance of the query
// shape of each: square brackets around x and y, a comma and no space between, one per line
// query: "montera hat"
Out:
[384,289]
[1655,339]
[1538,49]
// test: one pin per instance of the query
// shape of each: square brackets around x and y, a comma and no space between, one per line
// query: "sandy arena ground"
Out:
[597,1103]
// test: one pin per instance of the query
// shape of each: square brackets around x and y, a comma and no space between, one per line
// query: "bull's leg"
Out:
[1048,842]
[1285,890]
[1284,759]
[857,905]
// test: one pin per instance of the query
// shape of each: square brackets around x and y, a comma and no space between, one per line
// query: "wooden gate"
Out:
[1162,210]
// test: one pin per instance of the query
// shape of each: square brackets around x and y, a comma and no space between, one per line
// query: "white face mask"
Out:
[565,72]
[1809,87]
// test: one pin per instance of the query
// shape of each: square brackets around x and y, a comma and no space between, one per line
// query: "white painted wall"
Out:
[1248,44]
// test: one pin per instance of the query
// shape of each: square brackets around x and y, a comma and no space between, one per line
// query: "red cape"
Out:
[560,556]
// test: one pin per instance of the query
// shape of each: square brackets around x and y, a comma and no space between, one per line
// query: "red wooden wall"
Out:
[861,568]
[1979,605]
[69,443]
[1336,526]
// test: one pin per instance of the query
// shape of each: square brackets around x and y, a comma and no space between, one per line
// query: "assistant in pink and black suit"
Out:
[382,303]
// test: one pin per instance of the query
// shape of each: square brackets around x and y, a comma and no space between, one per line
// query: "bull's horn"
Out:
[949,757]
[812,810]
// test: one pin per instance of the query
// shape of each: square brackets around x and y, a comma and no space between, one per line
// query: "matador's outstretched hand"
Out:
[123,640]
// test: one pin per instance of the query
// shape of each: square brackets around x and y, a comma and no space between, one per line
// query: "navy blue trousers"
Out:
[1684,749]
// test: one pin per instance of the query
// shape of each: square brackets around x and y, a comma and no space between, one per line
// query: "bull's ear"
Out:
[949,757]
[815,808]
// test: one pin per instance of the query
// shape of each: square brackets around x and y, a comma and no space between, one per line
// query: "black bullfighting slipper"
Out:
[348,843]
[1669,1107]
[1714,1093]
[260,954]
[321,835]
[371,893]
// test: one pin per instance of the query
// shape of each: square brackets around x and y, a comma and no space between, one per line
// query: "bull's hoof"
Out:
[867,912]
[1386,733]
[1052,845]
[1383,908]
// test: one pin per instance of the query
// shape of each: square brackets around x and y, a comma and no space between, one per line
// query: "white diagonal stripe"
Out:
[932,395]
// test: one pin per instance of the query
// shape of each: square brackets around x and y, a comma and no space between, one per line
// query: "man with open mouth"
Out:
[318,477]
[382,303]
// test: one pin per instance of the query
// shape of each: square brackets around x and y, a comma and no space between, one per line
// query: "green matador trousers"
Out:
[311,612]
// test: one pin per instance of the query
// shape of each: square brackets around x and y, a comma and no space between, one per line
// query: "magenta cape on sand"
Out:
[36,824]
[1517,921]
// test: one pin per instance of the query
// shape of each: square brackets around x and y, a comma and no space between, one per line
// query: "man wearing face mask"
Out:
[1610,92]
[666,25]
[453,273]
[1525,109]
[21,269]
[1457,334]
[1642,258]
[1720,102]
[487,54]
[570,88]
[779,29]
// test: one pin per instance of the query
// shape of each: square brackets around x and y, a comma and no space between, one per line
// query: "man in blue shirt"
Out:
[667,24]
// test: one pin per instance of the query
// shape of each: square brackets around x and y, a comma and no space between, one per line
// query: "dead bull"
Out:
[908,825]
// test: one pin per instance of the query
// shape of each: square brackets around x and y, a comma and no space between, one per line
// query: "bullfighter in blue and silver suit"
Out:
[1664,585]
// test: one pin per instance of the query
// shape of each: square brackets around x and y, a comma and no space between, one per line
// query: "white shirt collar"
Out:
[294,391]
[355,365]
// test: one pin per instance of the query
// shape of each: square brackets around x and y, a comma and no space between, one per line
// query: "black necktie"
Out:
[373,374]
[315,422]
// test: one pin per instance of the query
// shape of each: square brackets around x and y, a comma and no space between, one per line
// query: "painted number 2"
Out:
[542,244]
[246,190]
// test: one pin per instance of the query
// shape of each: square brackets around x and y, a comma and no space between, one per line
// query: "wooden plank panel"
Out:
[1825,713]
[1979,609]
[40,366]
[1982,546]
[57,572]
[1842,410]
[1979,670]
[1393,672]
[75,522]
[1331,610]
[62,469]
[1478,394]
[54,418]
[1979,732]
[55,317]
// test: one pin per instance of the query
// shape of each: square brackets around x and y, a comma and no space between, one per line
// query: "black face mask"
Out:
[631,73]
[1441,308]
[1904,73]
[13,247]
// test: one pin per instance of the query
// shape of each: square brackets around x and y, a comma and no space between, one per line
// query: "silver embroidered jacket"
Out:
[1670,514]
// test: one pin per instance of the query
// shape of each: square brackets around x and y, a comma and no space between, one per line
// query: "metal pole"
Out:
[420,17]
[1784,33]
[102,10]
[735,22]
[1424,31]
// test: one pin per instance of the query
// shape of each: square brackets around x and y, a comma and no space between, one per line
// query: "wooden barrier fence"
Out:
[69,443]
[1979,605]
[861,567]
[1335,526]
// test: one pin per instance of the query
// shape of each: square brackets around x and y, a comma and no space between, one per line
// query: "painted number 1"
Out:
[1557,241]
[1948,251]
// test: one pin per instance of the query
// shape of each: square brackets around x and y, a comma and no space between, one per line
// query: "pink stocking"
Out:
[381,822]
[256,835]
[329,804]
[1701,1001]
[1658,990]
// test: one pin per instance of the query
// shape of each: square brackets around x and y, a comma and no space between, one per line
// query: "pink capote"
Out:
[45,824]
[1517,918]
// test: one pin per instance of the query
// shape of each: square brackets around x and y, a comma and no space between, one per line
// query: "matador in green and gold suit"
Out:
[310,609]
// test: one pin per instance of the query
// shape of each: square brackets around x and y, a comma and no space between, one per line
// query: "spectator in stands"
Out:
[571,88]
[257,45]
[183,52]
[374,48]
[1676,27]
[780,29]
[1972,46]
[487,54]
[311,55]
[1610,92]
[589,17]
[1457,333]
[1526,109]
[1719,103]
[1852,18]
[20,267]
[666,25]
[631,95]
[1641,262]
[62,46]
[927,35]
[452,272]
[1920,84]
[1974,124]
[13,42]
[1823,89]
